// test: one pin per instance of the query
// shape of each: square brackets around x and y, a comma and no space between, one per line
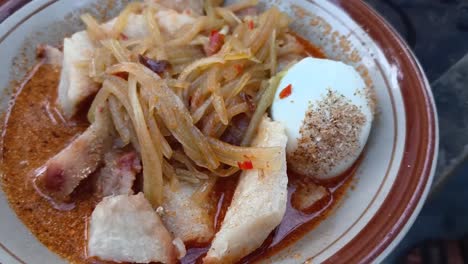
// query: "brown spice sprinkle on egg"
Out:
[329,134]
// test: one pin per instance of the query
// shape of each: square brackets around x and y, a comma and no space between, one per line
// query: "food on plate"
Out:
[119,172]
[62,173]
[332,120]
[182,131]
[258,205]
[187,212]
[125,228]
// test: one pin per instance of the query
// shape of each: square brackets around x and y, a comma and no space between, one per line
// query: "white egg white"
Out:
[310,80]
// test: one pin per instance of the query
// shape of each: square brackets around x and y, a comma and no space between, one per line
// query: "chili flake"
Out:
[251,25]
[245,165]
[239,68]
[215,43]
[286,92]
[123,36]
[123,75]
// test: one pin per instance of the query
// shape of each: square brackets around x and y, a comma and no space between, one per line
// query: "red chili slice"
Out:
[286,92]
[251,25]
[239,68]
[215,43]
[245,165]
[123,75]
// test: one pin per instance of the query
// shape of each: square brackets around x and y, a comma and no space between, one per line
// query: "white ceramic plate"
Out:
[396,172]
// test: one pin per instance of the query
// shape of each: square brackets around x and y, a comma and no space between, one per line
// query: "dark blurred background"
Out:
[437,31]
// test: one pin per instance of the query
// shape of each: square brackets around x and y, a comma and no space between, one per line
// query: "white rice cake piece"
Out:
[127,229]
[75,85]
[258,205]
[185,217]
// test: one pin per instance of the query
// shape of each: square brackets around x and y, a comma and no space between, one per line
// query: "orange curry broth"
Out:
[35,131]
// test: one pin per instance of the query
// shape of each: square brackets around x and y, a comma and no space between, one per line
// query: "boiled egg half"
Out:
[327,111]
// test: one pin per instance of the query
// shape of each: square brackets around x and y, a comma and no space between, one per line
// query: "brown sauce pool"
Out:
[34,131]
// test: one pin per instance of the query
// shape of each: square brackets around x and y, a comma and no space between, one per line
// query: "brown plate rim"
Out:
[8,7]
[416,170]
